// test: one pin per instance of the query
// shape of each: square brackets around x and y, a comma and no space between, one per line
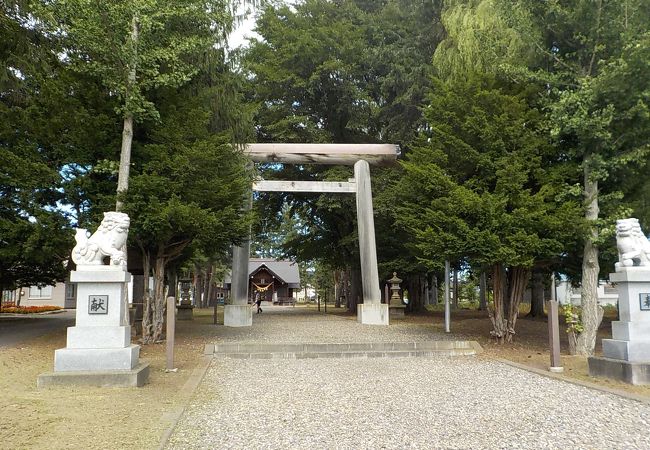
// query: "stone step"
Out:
[340,350]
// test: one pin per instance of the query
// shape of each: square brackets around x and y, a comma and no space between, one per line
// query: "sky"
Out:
[245,29]
[242,32]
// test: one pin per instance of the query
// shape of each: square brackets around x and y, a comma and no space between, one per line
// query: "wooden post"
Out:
[171,328]
[554,331]
[216,303]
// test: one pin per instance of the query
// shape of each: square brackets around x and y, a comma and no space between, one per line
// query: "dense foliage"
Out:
[524,128]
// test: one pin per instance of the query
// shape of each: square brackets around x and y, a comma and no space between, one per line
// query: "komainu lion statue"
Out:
[633,245]
[108,240]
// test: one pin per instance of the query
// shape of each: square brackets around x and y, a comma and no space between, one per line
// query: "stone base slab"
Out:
[629,372]
[330,350]
[631,351]
[136,377]
[237,316]
[185,312]
[99,337]
[96,359]
[372,314]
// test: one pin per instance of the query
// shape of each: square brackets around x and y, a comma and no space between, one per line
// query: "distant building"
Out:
[63,295]
[272,280]
[306,294]
[607,293]
[567,294]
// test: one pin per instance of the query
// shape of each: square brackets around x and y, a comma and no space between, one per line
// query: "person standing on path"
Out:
[258,302]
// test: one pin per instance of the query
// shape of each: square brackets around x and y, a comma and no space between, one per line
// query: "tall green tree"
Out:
[578,50]
[137,45]
[350,71]
[477,187]
[38,136]
[188,186]
[598,122]
[600,115]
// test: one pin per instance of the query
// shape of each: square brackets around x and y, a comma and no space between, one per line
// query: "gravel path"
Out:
[300,325]
[400,403]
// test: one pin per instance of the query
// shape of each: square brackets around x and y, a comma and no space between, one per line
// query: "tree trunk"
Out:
[127,128]
[337,302]
[415,289]
[482,303]
[497,311]
[455,287]
[355,289]
[159,300]
[197,285]
[517,282]
[425,290]
[434,290]
[537,294]
[573,342]
[412,288]
[147,306]
[347,287]
[208,288]
[592,313]
[125,160]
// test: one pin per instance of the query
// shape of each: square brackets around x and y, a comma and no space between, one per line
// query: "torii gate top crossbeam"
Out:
[346,154]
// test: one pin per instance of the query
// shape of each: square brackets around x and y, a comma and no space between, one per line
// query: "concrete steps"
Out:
[355,350]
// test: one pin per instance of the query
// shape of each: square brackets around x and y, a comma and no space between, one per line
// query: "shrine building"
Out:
[272,280]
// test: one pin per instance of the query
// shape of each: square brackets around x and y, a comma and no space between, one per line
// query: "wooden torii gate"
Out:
[371,311]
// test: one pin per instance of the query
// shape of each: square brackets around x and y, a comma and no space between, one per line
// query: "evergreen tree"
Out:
[187,189]
[578,52]
[477,187]
[350,71]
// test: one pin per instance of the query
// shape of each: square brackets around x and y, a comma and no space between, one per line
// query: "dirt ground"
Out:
[93,418]
[88,418]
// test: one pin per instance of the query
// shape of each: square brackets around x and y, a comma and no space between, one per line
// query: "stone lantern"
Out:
[185,308]
[396,308]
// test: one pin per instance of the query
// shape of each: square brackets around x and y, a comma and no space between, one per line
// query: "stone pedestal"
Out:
[627,355]
[99,350]
[373,313]
[185,312]
[238,316]
[396,311]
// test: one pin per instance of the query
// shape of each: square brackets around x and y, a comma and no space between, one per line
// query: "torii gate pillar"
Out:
[371,311]
[238,313]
